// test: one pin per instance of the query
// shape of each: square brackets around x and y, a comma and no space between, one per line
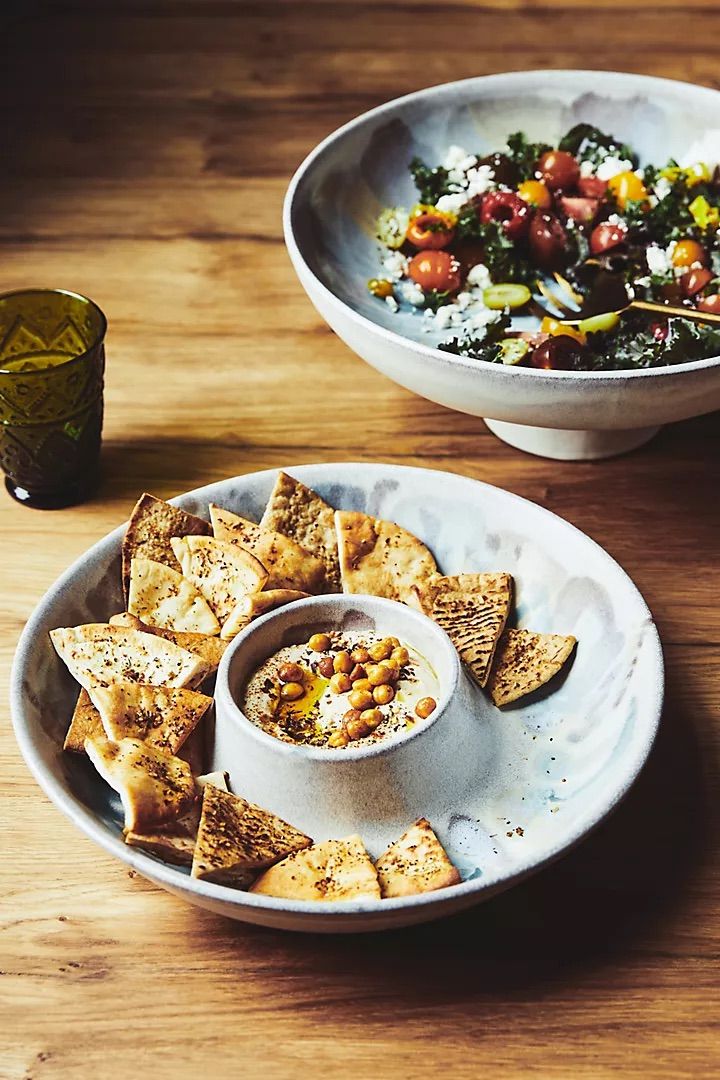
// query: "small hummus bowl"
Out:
[375,788]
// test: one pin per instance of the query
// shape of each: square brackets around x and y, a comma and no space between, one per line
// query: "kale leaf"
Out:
[484,347]
[637,343]
[524,154]
[506,260]
[431,183]
[588,143]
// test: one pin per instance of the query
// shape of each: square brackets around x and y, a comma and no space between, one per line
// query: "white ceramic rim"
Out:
[165,874]
[512,79]
[323,755]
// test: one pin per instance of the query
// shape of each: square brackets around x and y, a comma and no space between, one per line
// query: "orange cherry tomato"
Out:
[558,329]
[437,271]
[627,187]
[430,231]
[536,193]
[687,252]
[710,304]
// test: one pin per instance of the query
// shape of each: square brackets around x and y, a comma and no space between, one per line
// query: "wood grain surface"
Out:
[146,149]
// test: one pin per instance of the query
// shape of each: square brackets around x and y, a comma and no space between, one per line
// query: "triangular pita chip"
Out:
[85,724]
[299,512]
[235,836]
[209,649]
[289,566]
[223,572]
[159,716]
[98,654]
[153,786]
[195,748]
[381,558]
[473,616]
[175,842]
[149,529]
[416,863]
[256,604]
[525,661]
[161,596]
[333,870]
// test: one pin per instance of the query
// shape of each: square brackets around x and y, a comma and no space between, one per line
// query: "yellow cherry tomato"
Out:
[536,193]
[557,329]
[627,187]
[686,252]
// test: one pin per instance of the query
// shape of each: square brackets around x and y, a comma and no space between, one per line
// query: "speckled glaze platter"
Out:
[556,764]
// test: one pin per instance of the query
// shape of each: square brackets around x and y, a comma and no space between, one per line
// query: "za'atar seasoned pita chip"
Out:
[175,842]
[256,604]
[472,609]
[208,649]
[160,716]
[416,863]
[235,836]
[299,512]
[288,565]
[223,572]
[525,661]
[153,786]
[163,597]
[85,724]
[333,870]
[381,558]
[98,654]
[151,525]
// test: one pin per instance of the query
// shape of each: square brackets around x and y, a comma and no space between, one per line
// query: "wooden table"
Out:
[146,152]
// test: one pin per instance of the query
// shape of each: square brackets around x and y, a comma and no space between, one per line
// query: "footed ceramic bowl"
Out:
[419,774]
[553,766]
[329,220]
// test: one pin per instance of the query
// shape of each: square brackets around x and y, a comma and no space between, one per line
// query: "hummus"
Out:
[322,707]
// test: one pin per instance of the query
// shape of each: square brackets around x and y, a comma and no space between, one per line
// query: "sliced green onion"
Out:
[514,350]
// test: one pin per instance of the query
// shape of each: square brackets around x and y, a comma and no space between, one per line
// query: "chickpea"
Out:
[351,714]
[340,683]
[357,729]
[380,650]
[393,667]
[372,718]
[338,738]
[425,707]
[361,699]
[378,675]
[342,662]
[383,695]
[363,684]
[326,667]
[291,673]
[319,642]
[291,691]
[358,672]
[393,641]
[360,654]
[400,655]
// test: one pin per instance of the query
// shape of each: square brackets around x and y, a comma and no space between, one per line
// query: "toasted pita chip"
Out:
[256,604]
[473,616]
[85,724]
[223,572]
[416,863]
[209,649]
[525,661]
[162,597]
[98,654]
[299,512]
[333,870]
[157,715]
[235,836]
[175,842]
[150,527]
[288,565]
[381,558]
[153,786]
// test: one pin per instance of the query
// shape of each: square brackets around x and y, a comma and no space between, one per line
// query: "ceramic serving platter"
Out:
[554,765]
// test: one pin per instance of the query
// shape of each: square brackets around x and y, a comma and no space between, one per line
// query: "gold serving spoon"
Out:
[574,299]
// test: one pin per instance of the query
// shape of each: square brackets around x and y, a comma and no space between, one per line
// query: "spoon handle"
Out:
[665,309]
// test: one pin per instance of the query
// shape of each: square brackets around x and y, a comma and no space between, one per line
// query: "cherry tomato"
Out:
[592,187]
[509,209]
[504,170]
[686,252]
[695,280]
[582,210]
[469,253]
[548,240]
[559,170]
[627,187]
[561,353]
[536,193]
[660,331]
[437,271]
[430,231]
[606,236]
[710,304]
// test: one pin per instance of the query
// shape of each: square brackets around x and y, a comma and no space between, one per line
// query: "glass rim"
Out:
[99,337]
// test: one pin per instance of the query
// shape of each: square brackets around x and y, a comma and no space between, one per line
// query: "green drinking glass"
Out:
[52,364]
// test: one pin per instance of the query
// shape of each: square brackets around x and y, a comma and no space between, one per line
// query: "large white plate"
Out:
[561,760]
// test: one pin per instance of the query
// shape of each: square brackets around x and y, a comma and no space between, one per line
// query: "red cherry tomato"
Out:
[509,209]
[695,280]
[437,271]
[606,236]
[560,353]
[559,170]
[660,331]
[591,187]
[468,253]
[548,240]
[710,304]
[579,209]
[430,232]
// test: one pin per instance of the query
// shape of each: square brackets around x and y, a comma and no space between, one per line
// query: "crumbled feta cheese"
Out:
[454,157]
[392,303]
[705,149]
[642,281]
[479,180]
[662,188]
[657,260]
[587,168]
[479,276]
[396,265]
[612,166]
[481,319]
[615,219]
[451,203]
[445,316]
[413,294]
